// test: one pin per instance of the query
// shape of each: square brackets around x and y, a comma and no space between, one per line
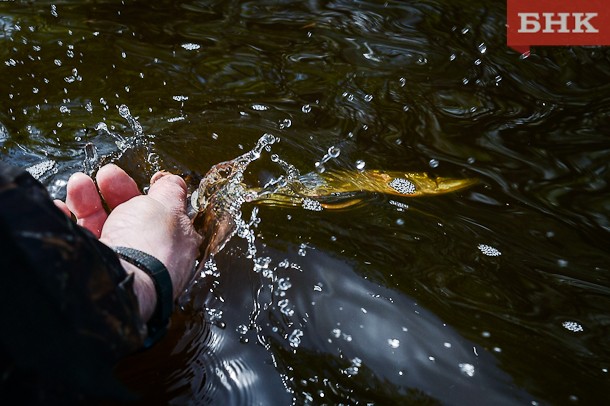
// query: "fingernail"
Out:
[158,176]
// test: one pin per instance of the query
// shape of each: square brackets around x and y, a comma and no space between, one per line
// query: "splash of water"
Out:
[138,139]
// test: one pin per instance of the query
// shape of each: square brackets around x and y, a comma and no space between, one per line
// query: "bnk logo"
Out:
[557,22]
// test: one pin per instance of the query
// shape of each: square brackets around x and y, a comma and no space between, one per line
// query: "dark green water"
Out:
[391,304]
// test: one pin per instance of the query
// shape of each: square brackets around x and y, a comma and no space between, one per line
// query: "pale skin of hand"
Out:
[156,223]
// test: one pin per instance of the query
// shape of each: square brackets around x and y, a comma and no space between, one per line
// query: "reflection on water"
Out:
[400,86]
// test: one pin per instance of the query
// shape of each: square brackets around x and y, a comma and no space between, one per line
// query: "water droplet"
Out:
[124,111]
[402,186]
[334,152]
[467,369]
[285,123]
[360,164]
[284,284]
[189,46]
[295,338]
[572,326]
[489,250]
[433,163]
[313,205]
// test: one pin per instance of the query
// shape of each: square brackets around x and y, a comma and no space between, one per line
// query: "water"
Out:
[503,288]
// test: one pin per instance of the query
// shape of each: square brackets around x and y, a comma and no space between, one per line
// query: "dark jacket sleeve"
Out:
[67,306]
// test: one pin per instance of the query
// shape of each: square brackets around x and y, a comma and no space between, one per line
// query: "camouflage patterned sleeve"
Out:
[67,306]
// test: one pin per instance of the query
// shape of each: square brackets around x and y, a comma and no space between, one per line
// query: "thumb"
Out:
[169,190]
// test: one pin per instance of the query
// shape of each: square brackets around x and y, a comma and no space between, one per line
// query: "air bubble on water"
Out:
[402,186]
[562,263]
[489,250]
[471,160]
[572,326]
[242,329]
[368,98]
[180,98]
[433,163]
[452,57]
[64,110]
[467,369]
[89,106]
[306,108]
[482,48]
[259,107]
[54,10]
[403,82]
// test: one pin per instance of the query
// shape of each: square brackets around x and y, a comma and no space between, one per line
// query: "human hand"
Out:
[155,223]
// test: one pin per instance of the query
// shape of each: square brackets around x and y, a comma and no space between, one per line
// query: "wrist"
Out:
[144,290]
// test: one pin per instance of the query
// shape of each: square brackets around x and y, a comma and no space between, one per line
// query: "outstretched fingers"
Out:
[84,201]
[116,186]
